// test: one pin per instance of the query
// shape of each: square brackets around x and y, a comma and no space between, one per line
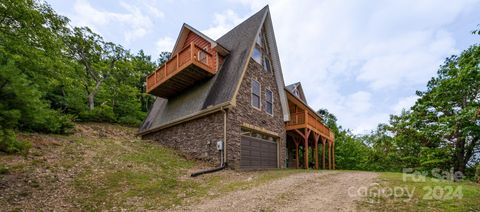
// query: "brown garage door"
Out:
[258,153]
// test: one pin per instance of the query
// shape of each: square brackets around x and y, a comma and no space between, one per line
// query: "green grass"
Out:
[131,175]
[426,195]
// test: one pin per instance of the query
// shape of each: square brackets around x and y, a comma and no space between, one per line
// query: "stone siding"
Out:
[245,113]
[196,139]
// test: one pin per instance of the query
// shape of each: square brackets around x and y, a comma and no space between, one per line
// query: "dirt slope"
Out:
[324,191]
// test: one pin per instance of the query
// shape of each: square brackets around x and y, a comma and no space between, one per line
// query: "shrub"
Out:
[9,143]
[101,113]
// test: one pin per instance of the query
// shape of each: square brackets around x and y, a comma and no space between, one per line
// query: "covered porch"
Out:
[306,134]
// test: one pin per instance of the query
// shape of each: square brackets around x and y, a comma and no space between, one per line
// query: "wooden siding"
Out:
[202,43]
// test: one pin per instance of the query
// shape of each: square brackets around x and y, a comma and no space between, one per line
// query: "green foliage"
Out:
[51,74]
[102,113]
[9,143]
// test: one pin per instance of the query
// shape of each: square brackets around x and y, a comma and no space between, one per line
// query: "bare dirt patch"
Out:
[319,191]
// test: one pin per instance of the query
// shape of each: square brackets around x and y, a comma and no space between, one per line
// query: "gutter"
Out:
[223,150]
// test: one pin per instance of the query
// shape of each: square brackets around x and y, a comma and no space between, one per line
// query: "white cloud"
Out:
[135,23]
[223,22]
[357,58]
[404,103]
[359,102]
[164,44]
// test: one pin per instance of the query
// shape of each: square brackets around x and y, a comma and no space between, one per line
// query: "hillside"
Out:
[103,166]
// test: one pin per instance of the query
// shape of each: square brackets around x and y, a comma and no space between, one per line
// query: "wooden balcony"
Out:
[307,119]
[183,70]
[303,117]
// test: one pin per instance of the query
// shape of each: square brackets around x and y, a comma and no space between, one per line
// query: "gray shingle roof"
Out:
[297,86]
[217,90]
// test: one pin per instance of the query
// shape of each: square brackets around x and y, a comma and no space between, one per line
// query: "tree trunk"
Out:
[460,155]
[91,96]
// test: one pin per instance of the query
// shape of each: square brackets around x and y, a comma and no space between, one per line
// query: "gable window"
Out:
[269,101]
[266,64]
[255,94]
[261,53]
[257,55]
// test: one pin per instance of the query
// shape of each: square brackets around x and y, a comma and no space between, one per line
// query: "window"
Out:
[261,53]
[269,101]
[266,64]
[257,55]
[256,94]
[260,39]
[202,56]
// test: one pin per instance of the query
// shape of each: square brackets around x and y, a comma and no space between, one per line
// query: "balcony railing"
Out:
[299,118]
[183,60]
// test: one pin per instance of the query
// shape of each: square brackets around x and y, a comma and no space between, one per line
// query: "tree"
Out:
[447,112]
[87,48]
[31,64]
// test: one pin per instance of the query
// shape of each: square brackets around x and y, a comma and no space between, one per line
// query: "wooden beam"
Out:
[300,133]
[329,155]
[295,140]
[316,149]
[333,154]
[323,153]
[307,134]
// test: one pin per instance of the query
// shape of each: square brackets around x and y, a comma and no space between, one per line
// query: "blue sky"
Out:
[362,60]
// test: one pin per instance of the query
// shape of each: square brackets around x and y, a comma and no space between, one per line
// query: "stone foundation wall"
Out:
[196,138]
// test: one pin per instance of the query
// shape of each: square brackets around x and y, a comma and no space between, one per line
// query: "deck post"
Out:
[329,155]
[307,134]
[296,150]
[305,138]
[316,149]
[323,153]
[333,154]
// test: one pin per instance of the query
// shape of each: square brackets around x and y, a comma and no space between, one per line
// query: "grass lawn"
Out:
[423,195]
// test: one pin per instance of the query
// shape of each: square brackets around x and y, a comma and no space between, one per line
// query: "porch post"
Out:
[305,137]
[296,150]
[306,151]
[329,155]
[316,150]
[323,153]
[333,154]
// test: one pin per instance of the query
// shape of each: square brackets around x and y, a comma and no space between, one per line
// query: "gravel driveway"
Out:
[323,191]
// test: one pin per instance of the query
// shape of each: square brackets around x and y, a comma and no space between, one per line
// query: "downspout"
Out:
[223,151]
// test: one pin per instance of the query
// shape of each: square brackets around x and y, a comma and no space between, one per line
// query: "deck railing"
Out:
[313,121]
[190,54]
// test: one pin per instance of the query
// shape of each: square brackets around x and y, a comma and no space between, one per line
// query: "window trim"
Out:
[259,95]
[266,100]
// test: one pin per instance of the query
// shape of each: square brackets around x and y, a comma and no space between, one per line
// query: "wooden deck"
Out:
[181,71]
[306,129]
